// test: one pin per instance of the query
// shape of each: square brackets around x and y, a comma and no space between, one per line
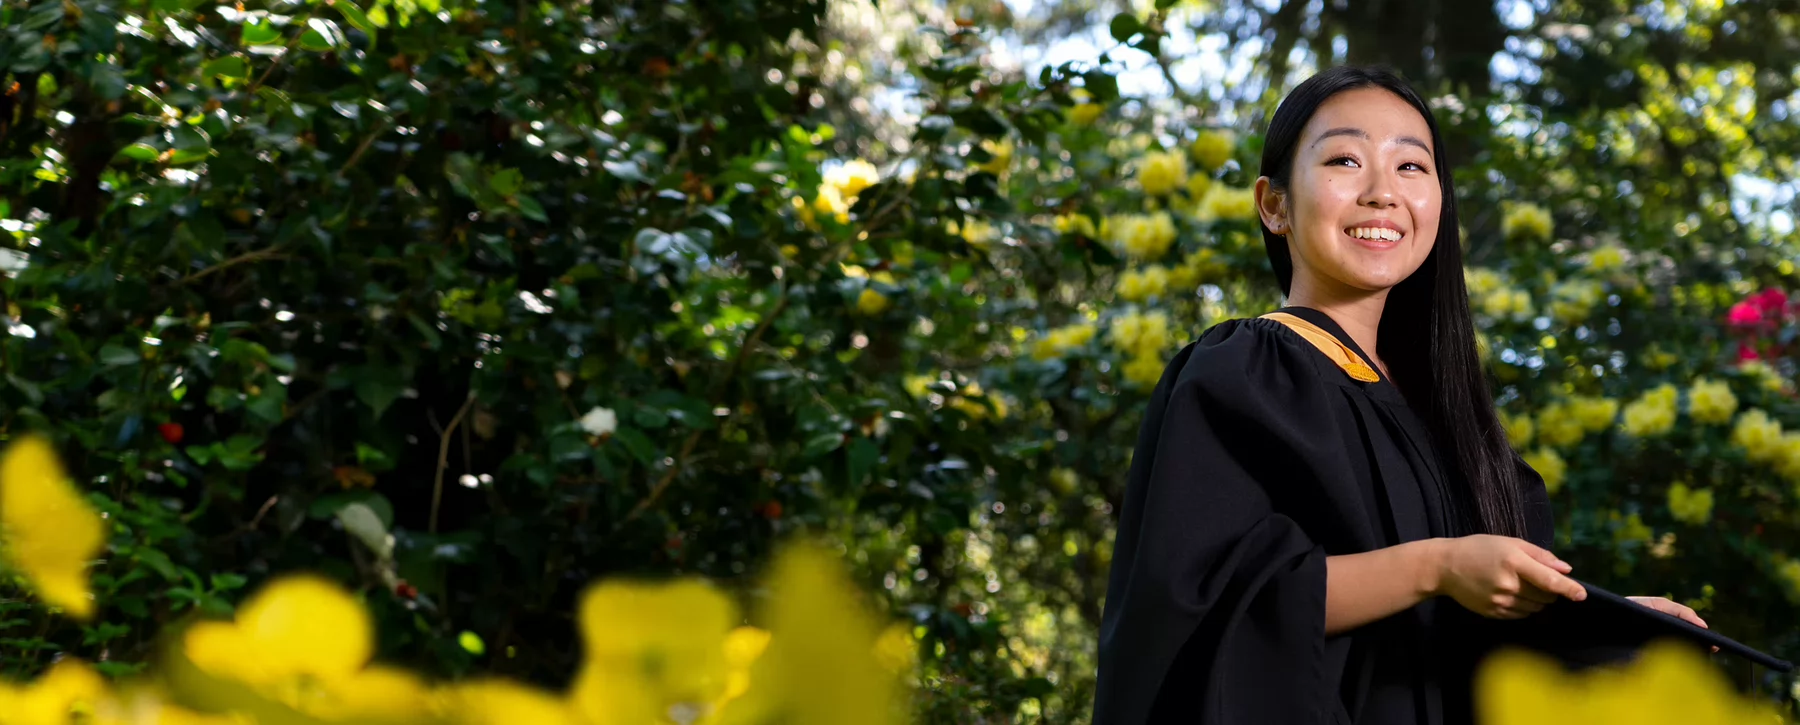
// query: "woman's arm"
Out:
[1494,576]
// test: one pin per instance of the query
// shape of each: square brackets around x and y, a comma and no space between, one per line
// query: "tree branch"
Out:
[256,256]
[437,487]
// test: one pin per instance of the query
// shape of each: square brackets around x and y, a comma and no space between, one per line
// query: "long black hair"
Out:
[1427,336]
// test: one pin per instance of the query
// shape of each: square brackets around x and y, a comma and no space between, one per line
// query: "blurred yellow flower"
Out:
[1143,370]
[916,385]
[977,232]
[1765,375]
[1137,285]
[1161,173]
[1789,573]
[1224,203]
[1606,259]
[1212,149]
[1668,684]
[1080,224]
[1063,480]
[49,531]
[305,643]
[827,662]
[1594,414]
[1519,428]
[1787,457]
[1630,528]
[1526,223]
[1002,152]
[653,652]
[500,702]
[69,692]
[1058,342]
[1139,334]
[1144,237]
[1711,402]
[871,303]
[1197,186]
[851,177]
[1549,465]
[1693,506]
[1082,114]
[1507,302]
[1571,302]
[1482,281]
[1653,414]
[1201,266]
[1557,425]
[1758,434]
[832,202]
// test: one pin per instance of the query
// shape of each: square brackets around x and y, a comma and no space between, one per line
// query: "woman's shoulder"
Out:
[1249,351]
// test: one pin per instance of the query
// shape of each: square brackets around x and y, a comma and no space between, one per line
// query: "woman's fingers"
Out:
[1550,580]
[1531,592]
[1545,557]
[1669,606]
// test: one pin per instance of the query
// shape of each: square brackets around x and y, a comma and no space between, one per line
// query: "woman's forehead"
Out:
[1371,114]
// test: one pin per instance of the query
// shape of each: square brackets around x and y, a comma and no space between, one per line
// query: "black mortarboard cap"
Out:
[1607,628]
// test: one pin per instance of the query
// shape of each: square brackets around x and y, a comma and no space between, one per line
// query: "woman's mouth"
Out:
[1378,237]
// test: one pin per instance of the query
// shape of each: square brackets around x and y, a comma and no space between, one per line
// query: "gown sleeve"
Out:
[1215,608]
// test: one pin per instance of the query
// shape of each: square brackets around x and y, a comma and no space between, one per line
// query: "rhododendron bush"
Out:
[515,342]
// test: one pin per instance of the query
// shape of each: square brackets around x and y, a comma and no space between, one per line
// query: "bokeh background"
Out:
[557,291]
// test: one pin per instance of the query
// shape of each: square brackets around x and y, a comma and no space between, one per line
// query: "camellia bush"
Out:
[433,313]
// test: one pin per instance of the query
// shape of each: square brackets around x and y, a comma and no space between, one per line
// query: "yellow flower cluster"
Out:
[1506,302]
[1565,423]
[1519,429]
[1549,465]
[1571,302]
[1653,414]
[1137,285]
[1630,528]
[1212,149]
[1161,173]
[977,404]
[1526,223]
[1080,224]
[852,177]
[1198,267]
[1482,281]
[48,532]
[1690,505]
[1758,435]
[1058,342]
[1789,573]
[1668,684]
[1765,376]
[1711,402]
[838,192]
[1141,236]
[1226,204]
[1085,111]
[870,302]
[1141,337]
[1002,152]
[979,233]
[1606,259]
[72,692]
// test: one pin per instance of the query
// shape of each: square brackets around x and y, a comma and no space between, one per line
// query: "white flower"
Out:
[600,421]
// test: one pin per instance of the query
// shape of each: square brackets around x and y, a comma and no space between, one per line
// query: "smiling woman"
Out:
[1324,521]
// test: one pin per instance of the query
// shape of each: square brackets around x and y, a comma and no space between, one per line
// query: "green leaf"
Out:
[378,387]
[114,355]
[1103,86]
[1165,4]
[821,444]
[355,17]
[189,138]
[231,66]
[322,35]
[531,209]
[471,643]
[228,582]
[269,405]
[139,152]
[158,562]
[637,444]
[27,388]
[863,456]
[202,455]
[263,33]
[507,182]
[1125,25]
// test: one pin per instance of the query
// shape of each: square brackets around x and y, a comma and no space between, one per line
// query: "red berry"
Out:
[171,432]
[406,591]
[771,510]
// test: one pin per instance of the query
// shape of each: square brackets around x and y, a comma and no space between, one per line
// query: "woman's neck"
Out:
[1357,311]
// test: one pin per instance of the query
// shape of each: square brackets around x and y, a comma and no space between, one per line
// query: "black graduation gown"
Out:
[1257,459]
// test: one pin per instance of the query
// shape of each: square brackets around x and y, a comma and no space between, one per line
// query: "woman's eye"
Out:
[1341,160]
[1415,167]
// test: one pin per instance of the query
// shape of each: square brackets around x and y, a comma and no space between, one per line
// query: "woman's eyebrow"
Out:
[1364,135]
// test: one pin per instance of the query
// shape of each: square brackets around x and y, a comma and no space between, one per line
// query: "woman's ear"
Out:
[1271,203]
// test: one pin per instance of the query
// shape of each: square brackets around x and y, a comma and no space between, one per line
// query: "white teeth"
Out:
[1375,233]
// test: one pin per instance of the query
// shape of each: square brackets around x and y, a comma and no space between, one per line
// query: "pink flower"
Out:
[1770,301]
[1746,352]
[1745,314]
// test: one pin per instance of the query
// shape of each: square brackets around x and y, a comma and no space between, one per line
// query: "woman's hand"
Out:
[1501,577]
[1670,606]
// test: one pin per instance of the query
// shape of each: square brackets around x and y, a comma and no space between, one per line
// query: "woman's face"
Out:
[1361,209]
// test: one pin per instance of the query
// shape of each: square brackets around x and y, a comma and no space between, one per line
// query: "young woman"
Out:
[1323,501]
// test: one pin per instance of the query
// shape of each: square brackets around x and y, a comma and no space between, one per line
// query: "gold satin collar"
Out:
[1346,358]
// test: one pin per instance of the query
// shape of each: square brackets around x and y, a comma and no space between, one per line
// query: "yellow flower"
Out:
[976,405]
[1138,334]
[1606,259]
[1787,457]
[50,531]
[1143,371]
[1482,281]
[871,303]
[1758,434]
[68,688]
[1064,480]
[1137,285]
[1764,375]
[500,702]
[1508,302]
[1161,173]
[1630,528]
[1221,203]
[916,385]
[1141,236]
[1197,186]
[305,643]
[852,177]
[1668,684]
[978,232]
[826,661]
[1693,506]
[1082,114]
[1789,573]
[1594,414]
[1058,342]
[1557,425]
[653,651]
[1572,301]
[1080,224]
[1549,465]
[1002,152]
[1518,428]
[831,202]
[1526,222]
[1212,149]
[1653,414]
[1711,402]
